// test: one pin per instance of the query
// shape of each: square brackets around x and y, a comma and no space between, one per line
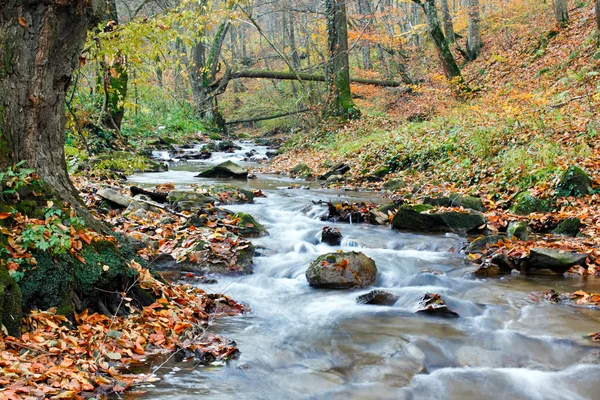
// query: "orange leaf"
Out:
[23,22]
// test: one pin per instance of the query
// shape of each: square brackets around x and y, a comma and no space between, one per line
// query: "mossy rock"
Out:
[568,227]
[227,169]
[479,245]
[525,204]
[381,172]
[214,136]
[394,184]
[456,200]
[557,261]
[518,230]
[249,227]
[574,182]
[231,195]
[58,281]
[11,312]
[187,200]
[243,265]
[414,218]
[342,271]
[301,171]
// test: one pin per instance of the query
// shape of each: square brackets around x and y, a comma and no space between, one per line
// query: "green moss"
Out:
[518,230]
[574,182]
[249,227]
[568,227]
[525,204]
[11,312]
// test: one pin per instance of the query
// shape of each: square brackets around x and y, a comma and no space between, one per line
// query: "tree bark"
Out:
[562,12]
[366,14]
[448,25]
[474,31]
[40,42]
[339,99]
[449,65]
[307,77]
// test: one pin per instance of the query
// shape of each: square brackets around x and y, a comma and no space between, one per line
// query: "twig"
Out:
[558,105]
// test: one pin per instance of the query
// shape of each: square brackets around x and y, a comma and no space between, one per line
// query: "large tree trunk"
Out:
[562,12]
[339,99]
[474,34]
[366,14]
[449,65]
[40,42]
[448,25]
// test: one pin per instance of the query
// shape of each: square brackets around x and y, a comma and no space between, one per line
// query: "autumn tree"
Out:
[448,24]
[40,43]
[474,30]
[339,100]
[561,11]
[447,60]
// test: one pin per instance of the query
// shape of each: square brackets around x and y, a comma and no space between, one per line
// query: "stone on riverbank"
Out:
[479,245]
[227,169]
[416,218]
[249,227]
[525,204]
[341,271]
[188,201]
[456,200]
[574,182]
[557,261]
[114,197]
[568,227]
[518,230]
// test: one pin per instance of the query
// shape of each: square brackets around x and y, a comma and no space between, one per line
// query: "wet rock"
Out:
[331,236]
[188,201]
[227,169]
[518,230]
[568,227]
[486,271]
[114,197]
[165,262]
[525,204]
[504,263]
[230,195]
[338,169]
[341,271]
[415,218]
[574,182]
[433,304]
[394,184]
[557,261]
[201,155]
[262,142]
[249,227]
[479,245]
[377,297]
[456,200]
[334,179]
[227,146]
[243,265]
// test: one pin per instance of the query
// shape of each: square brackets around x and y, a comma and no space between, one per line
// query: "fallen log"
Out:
[154,196]
[308,77]
[257,119]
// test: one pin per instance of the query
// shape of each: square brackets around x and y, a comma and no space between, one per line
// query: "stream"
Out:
[304,343]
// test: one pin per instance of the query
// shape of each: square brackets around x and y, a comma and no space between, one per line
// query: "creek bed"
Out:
[300,342]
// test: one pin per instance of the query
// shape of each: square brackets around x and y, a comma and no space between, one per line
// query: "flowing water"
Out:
[299,342]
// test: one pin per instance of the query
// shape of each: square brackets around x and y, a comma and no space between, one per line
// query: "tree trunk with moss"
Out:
[474,31]
[40,43]
[561,10]
[597,8]
[447,60]
[448,25]
[339,99]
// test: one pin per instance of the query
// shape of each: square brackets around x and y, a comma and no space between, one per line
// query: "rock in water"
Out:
[227,169]
[480,245]
[433,304]
[341,271]
[249,227]
[415,218]
[331,236]
[558,261]
[377,297]
[115,197]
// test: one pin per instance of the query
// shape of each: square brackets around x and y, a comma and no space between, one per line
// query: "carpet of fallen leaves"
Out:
[58,358]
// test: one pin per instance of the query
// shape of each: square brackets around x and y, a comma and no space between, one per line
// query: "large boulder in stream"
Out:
[341,271]
[227,169]
[420,218]
[558,261]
